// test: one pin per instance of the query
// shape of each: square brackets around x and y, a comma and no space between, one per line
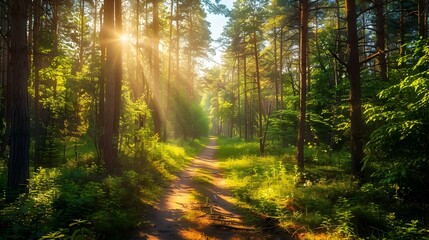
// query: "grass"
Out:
[202,179]
[80,189]
[323,203]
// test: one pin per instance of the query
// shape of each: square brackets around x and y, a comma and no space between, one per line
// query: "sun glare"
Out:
[124,38]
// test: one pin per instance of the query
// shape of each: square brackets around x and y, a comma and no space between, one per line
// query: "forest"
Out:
[316,114]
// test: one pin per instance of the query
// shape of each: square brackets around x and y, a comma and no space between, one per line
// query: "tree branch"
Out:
[338,59]
[370,57]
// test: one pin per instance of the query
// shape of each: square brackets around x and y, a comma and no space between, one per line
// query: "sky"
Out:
[217,22]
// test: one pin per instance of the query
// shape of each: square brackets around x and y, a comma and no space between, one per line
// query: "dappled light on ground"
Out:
[197,206]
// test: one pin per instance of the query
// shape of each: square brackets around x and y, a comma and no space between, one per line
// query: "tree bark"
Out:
[156,99]
[380,62]
[177,73]
[37,66]
[246,104]
[258,84]
[421,18]
[18,164]
[4,102]
[303,82]
[281,69]
[402,30]
[109,143]
[101,85]
[190,82]
[170,66]
[276,79]
[238,97]
[118,79]
[353,70]
[82,33]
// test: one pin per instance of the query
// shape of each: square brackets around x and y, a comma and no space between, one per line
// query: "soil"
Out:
[198,206]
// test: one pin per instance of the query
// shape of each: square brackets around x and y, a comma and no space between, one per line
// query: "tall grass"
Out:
[77,200]
[324,203]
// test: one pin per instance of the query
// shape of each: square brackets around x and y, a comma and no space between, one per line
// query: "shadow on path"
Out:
[197,206]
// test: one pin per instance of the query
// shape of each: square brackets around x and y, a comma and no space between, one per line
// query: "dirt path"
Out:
[197,206]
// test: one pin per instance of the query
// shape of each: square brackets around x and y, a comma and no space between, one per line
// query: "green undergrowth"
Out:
[77,200]
[324,202]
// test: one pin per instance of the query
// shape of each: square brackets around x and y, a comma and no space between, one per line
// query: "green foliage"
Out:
[78,201]
[344,220]
[284,123]
[77,230]
[323,201]
[401,134]
[408,230]
[192,121]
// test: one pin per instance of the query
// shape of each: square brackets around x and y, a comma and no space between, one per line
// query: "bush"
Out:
[401,138]
[79,201]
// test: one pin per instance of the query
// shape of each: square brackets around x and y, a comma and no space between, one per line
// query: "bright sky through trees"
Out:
[217,22]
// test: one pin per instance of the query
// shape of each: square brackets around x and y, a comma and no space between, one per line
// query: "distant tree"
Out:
[303,43]
[170,69]
[118,76]
[258,86]
[192,43]
[380,61]
[156,91]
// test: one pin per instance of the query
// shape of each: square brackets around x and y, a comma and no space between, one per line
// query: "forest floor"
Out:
[198,206]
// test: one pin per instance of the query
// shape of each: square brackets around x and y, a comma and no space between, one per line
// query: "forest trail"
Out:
[198,206]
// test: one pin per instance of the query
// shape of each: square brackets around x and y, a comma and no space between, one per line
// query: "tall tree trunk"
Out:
[118,78]
[82,32]
[109,143]
[252,109]
[308,135]
[190,82]
[402,30]
[364,37]
[246,103]
[281,79]
[37,4]
[258,84]
[170,66]
[303,42]
[353,70]
[421,18]
[18,164]
[338,68]
[380,61]
[4,106]
[276,78]
[177,73]
[231,123]
[239,97]
[101,85]
[137,87]
[156,99]
[281,69]
[55,28]
[93,76]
